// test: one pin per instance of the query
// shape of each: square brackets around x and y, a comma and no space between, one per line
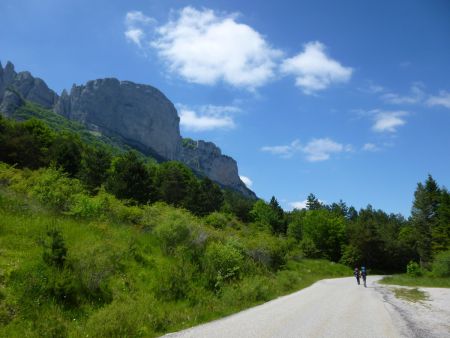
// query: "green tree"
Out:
[441,231]
[66,152]
[209,198]
[95,166]
[237,204]
[279,224]
[424,217]
[130,178]
[176,184]
[312,203]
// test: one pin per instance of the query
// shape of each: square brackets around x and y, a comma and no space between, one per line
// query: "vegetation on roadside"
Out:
[410,295]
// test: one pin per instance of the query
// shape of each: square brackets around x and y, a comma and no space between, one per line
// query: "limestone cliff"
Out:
[138,114]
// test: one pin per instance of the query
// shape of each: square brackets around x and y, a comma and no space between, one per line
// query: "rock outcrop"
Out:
[140,115]
[205,158]
[17,87]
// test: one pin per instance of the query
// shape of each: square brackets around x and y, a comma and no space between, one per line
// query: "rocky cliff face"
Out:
[139,114]
[207,159]
[16,87]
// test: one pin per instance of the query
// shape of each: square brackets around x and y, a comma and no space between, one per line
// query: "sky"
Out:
[349,100]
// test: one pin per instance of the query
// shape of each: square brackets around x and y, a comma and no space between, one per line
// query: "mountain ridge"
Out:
[140,114]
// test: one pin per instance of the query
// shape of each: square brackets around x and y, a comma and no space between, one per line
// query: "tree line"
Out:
[340,233]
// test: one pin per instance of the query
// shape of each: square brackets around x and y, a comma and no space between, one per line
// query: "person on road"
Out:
[357,275]
[364,275]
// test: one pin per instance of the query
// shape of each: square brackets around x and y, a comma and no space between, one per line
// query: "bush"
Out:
[122,318]
[441,264]
[55,189]
[413,269]
[249,290]
[267,250]
[309,248]
[219,220]
[174,281]
[172,232]
[222,263]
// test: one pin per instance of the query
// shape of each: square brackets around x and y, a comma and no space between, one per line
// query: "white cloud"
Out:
[298,204]
[135,35]
[205,47]
[284,151]
[416,95]
[137,17]
[370,147]
[209,117]
[135,22]
[315,150]
[247,181]
[314,70]
[388,121]
[443,99]
[321,149]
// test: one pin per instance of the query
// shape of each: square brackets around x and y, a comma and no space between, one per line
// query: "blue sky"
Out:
[345,99]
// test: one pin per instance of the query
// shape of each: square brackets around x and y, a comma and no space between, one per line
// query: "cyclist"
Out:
[357,275]
[364,275]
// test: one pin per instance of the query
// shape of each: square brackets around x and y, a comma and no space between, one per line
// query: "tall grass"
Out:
[129,271]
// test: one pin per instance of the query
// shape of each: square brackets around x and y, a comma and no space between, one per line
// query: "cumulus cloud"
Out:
[388,121]
[284,151]
[298,204]
[370,147]
[314,69]
[247,181]
[206,118]
[416,95]
[443,99]
[206,47]
[315,150]
[135,23]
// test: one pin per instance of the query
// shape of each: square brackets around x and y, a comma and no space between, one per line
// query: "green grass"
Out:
[121,281]
[411,295]
[423,281]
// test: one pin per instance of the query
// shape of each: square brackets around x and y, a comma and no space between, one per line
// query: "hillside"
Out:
[75,265]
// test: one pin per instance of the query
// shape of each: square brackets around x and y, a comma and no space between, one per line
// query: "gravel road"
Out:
[329,308]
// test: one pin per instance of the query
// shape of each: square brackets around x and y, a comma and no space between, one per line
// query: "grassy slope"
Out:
[136,270]
[424,281]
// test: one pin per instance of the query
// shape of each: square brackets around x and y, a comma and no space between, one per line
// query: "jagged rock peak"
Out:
[26,86]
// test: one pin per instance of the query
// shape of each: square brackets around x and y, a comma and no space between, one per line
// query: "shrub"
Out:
[222,263]
[122,318]
[175,279]
[218,220]
[441,264]
[413,269]
[55,189]
[309,248]
[55,253]
[267,250]
[172,232]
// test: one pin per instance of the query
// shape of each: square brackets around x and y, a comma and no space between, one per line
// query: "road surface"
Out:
[329,308]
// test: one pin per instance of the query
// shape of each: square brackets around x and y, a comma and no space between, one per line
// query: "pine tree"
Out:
[425,217]
[312,203]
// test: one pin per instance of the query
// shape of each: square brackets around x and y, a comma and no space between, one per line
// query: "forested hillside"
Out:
[101,240]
